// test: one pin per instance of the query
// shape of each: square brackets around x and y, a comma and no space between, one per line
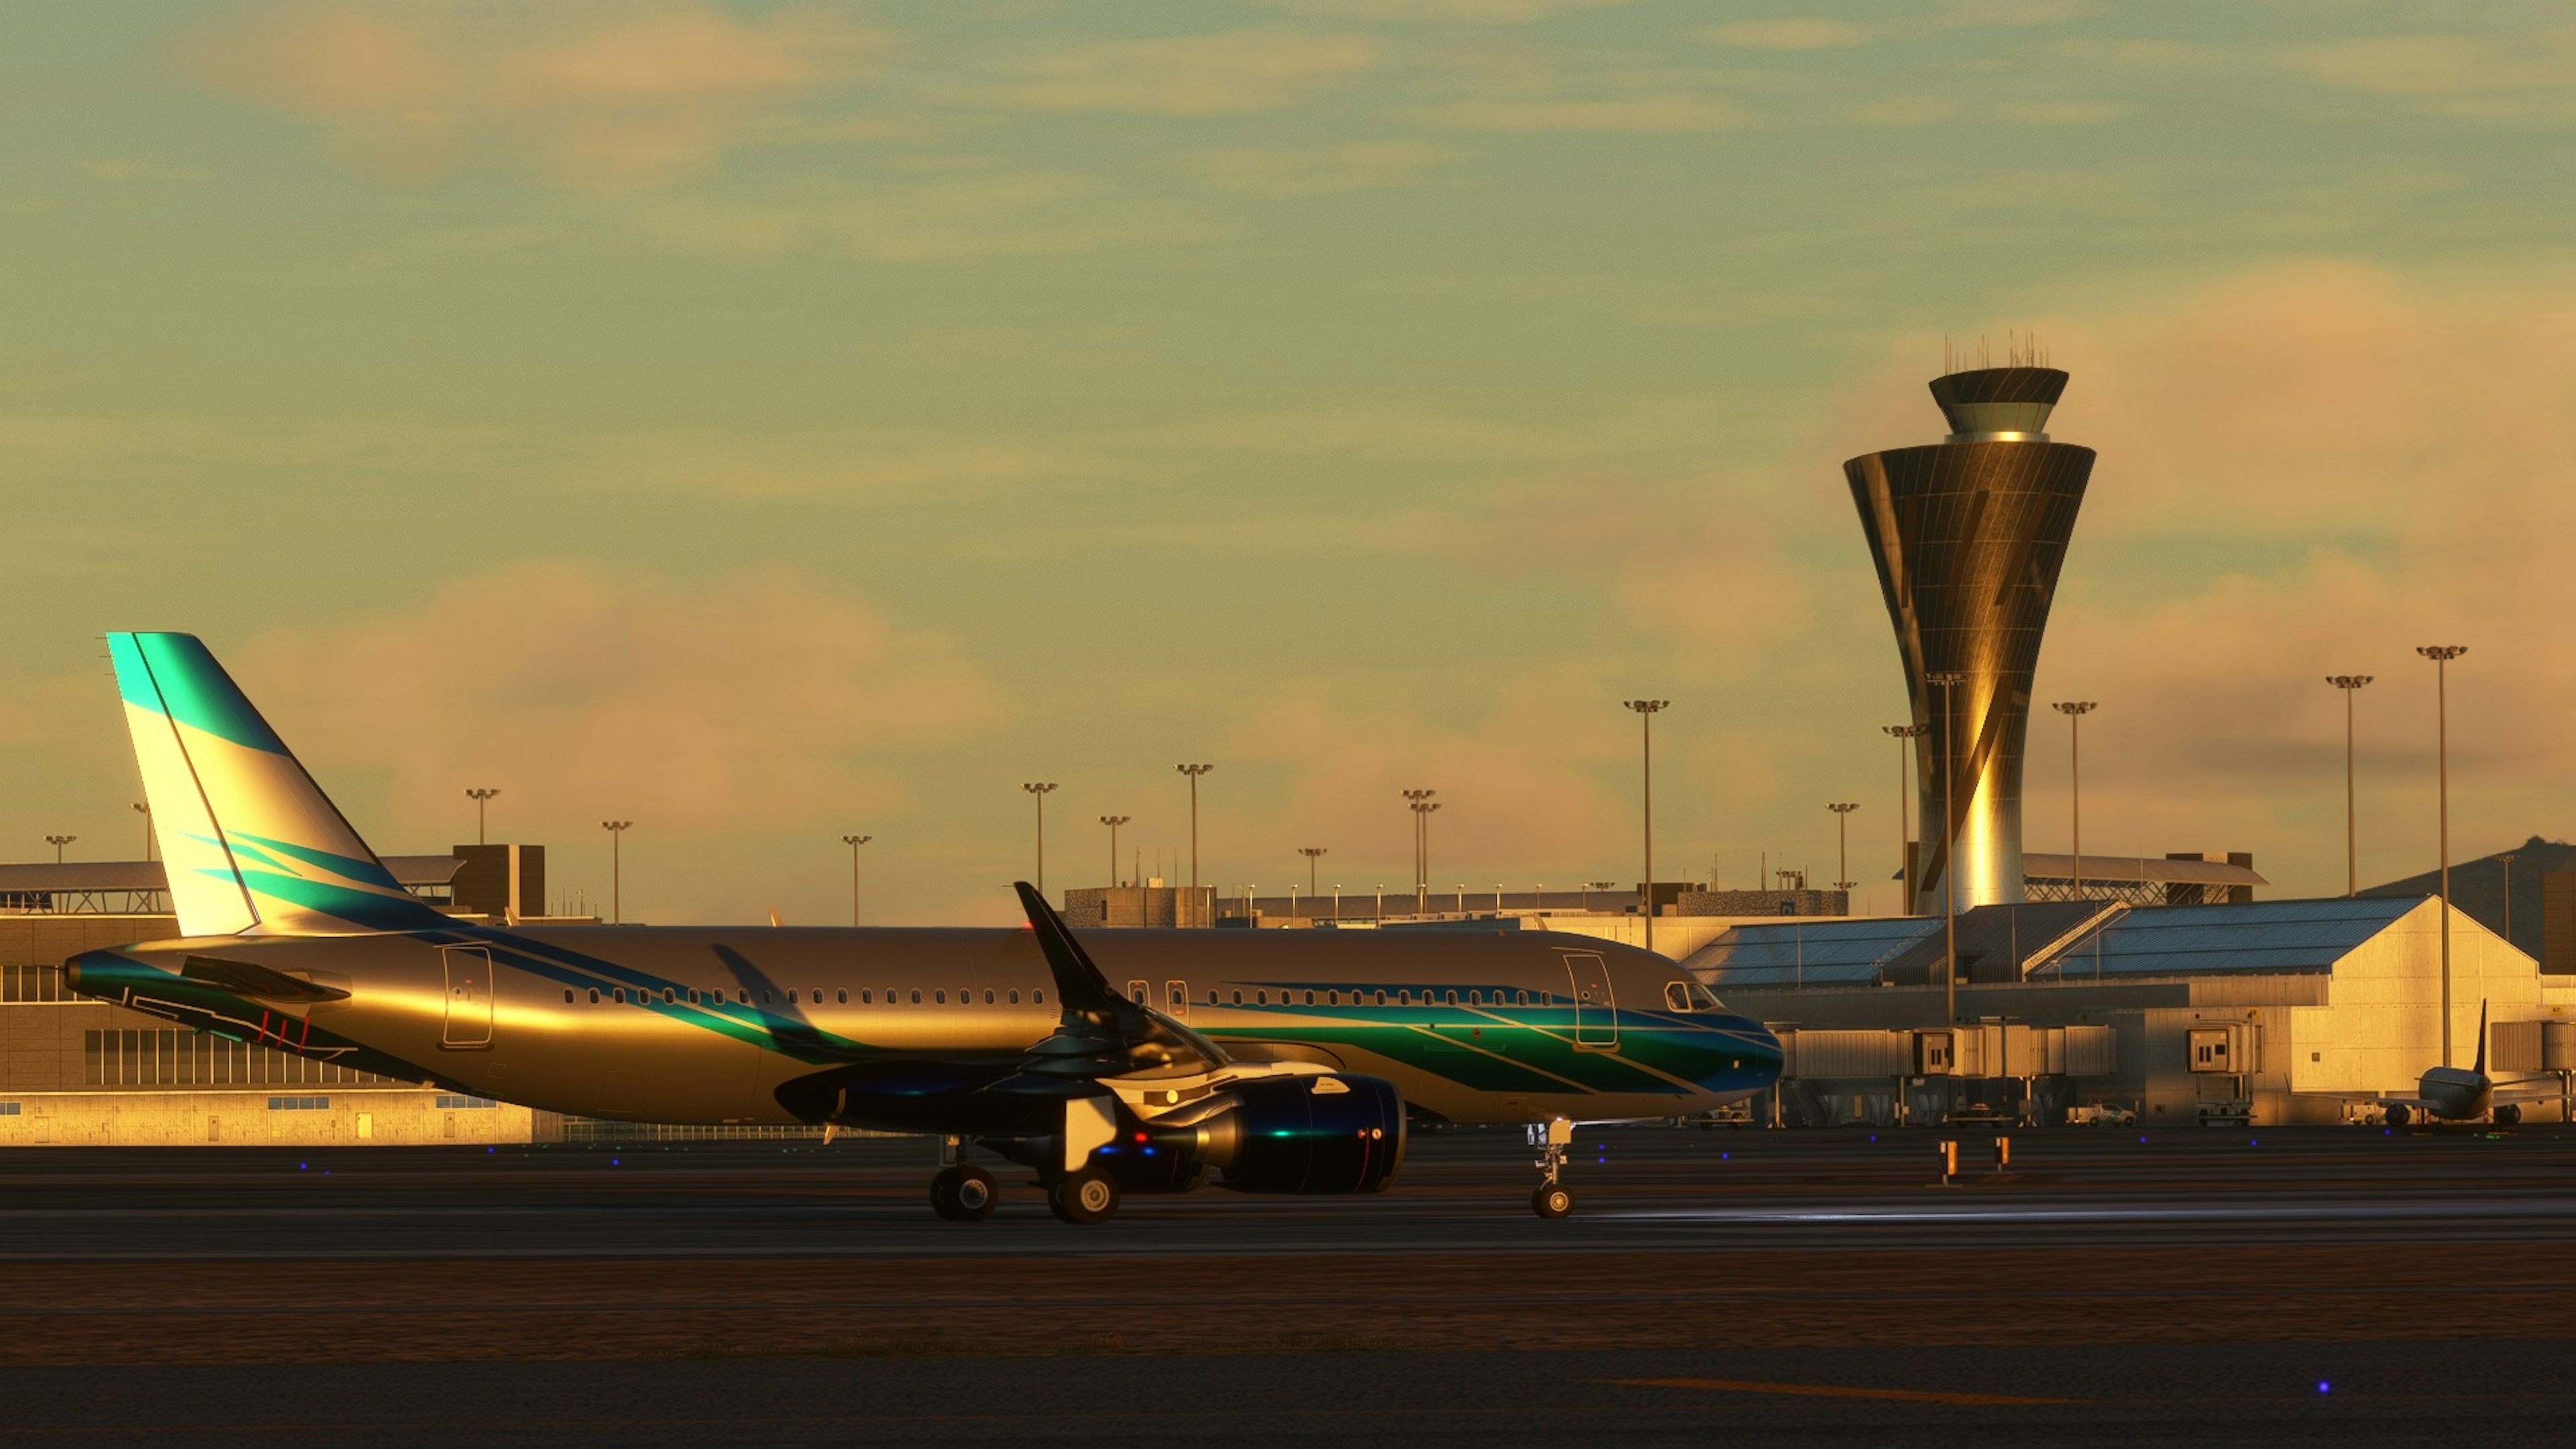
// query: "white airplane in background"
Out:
[2449,1094]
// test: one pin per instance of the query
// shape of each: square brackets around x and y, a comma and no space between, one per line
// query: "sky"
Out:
[768,423]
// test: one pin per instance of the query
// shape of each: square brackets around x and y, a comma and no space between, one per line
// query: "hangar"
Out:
[2268,1012]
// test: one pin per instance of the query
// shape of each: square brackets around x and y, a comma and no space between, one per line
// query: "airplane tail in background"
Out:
[2481,1068]
[251,844]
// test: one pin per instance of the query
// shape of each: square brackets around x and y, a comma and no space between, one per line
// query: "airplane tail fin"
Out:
[252,846]
[2482,1038]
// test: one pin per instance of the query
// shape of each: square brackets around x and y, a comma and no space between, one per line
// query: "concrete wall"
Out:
[295,1116]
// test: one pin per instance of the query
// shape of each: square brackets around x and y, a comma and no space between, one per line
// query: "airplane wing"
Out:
[2527,1089]
[1101,1033]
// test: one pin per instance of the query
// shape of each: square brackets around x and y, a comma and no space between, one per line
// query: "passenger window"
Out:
[1310,998]
[1404,998]
[768,1000]
[1015,996]
[567,996]
[619,993]
[1038,996]
[1238,998]
[594,996]
[1475,998]
[742,996]
[1333,998]
[942,995]
[867,997]
[1261,998]
[1520,998]
[1452,998]
[916,996]
[1381,998]
[693,996]
[791,996]
[988,996]
[1211,996]
[668,996]
[841,997]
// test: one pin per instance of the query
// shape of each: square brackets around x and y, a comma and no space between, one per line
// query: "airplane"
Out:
[1274,1061]
[2448,1094]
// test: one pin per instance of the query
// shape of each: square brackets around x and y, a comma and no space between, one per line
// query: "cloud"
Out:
[977,213]
[856,469]
[1453,12]
[1520,785]
[1317,170]
[2510,76]
[608,97]
[1817,32]
[1194,75]
[713,707]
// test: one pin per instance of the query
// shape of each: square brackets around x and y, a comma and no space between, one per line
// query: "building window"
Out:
[447,1103]
[299,1104]
[8,1109]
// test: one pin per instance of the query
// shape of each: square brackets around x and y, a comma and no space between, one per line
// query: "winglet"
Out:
[1078,983]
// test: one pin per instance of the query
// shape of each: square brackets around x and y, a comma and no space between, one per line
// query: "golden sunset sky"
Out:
[767,422]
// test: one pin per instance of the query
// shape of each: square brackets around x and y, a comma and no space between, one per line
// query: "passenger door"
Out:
[1596,1021]
[469,997]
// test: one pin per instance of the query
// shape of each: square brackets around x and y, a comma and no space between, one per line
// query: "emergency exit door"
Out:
[469,997]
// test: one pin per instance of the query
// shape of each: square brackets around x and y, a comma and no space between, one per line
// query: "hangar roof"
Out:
[2258,936]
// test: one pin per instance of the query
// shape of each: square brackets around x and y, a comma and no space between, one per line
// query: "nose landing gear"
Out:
[1552,1199]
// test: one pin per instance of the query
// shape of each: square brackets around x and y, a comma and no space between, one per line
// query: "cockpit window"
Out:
[1689,996]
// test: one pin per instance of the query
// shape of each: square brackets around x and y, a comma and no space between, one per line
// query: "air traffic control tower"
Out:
[1969,534]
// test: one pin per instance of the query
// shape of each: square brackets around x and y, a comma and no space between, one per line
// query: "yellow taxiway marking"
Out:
[1836,1391]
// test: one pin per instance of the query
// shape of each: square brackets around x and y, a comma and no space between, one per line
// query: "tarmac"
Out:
[1817,1286]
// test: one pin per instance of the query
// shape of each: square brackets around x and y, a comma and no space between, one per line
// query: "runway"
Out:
[1799,1286]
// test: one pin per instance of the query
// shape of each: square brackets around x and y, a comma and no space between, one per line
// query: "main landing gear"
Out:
[964,1194]
[1552,1199]
[1083,1198]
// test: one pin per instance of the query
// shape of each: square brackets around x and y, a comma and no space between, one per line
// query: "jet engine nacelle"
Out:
[1332,1133]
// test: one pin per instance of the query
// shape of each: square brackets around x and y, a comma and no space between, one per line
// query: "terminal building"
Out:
[79,1071]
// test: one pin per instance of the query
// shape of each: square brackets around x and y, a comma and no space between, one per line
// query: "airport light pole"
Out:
[144,809]
[1904,832]
[1595,885]
[1194,771]
[2351,685]
[480,797]
[2075,710]
[616,867]
[1646,711]
[1113,822]
[1418,801]
[2442,655]
[58,842]
[1312,853]
[1039,791]
[1946,681]
[854,842]
[1842,847]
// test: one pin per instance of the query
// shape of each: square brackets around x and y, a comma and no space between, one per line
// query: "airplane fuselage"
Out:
[717,1025]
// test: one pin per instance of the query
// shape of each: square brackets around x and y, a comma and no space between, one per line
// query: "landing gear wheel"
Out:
[2508,1115]
[963,1194]
[1551,1201]
[2398,1116]
[1084,1198]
